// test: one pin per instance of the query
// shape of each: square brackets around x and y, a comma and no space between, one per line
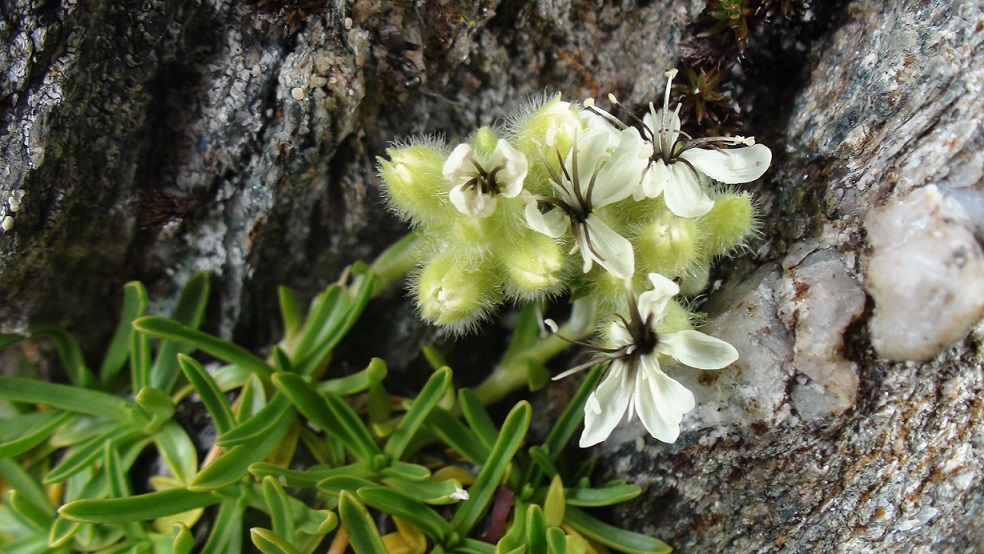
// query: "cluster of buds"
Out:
[568,198]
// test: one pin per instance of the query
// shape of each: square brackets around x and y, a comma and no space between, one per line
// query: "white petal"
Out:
[655,179]
[595,122]
[618,335]
[614,251]
[684,195]
[661,401]
[606,406]
[514,167]
[553,223]
[471,202]
[653,302]
[459,164]
[621,175]
[735,165]
[696,349]
[592,151]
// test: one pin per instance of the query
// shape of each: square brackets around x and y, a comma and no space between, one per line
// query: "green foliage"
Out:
[377,484]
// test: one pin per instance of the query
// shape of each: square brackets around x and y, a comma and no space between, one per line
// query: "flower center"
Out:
[484,181]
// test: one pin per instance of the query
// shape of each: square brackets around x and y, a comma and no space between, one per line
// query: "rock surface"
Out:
[153,141]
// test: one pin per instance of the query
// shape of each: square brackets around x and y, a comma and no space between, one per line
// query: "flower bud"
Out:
[457,292]
[484,142]
[544,132]
[415,183]
[668,246]
[728,223]
[532,264]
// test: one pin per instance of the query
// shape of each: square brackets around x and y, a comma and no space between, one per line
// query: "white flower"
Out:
[681,164]
[592,177]
[477,184]
[635,383]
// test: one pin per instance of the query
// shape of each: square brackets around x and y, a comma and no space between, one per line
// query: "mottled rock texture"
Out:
[156,139]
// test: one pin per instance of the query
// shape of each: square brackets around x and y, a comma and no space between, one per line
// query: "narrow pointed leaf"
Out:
[477,417]
[157,403]
[38,516]
[415,416]
[473,546]
[271,542]
[572,415]
[141,360]
[208,390]
[310,477]
[614,537]
[83,455]
[363,534]
[408,508]
[335,484]
[233,465]
[66,397]
[355,383]
[178,451]
[290,311]
[430,492]
[224,350]
[134,306]
[457,436]
[188,312]
[604,496]
[142,507]
[334,416]
[62,530]
[510,438]
[338,326]
[536,530]
[279,507]
[556,541]
[184,541]
[258,424]
[226,535]
[43,425]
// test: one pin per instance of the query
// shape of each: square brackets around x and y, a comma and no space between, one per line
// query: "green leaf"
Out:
[572,415]
[355,383]
[62,530]
[184,541]
[37,516]
[281,361]
[140,360]
[66,397]
[555,503]
[473,546]
[258,424]
[335,484]
[224,350]
[337,326]
[271,542]
[278,504]
[362,532]
[478,419]
[68,351]
[457,436]
[396,261]
[514,541]
[188,312]
[119,487]
[42,426]
[317,523]
[613,537]
[537,376]
[430,492]
[7,340]
[407,471]
[227,531]
[210,394]
[19,479]
[604,496]
[310,477]
[233,465]
[157,403]
[319,314]
[334,416]
[408,508]
[415,416]
[134,306]
[177,450]
[556,541]
[536,530]
[142,507]
[290,312]
[481,493]
[83,455]
[252,399]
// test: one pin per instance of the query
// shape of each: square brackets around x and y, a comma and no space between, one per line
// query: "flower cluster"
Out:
[568,198]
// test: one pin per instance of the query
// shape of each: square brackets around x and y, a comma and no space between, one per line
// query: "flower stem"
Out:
[512,372]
